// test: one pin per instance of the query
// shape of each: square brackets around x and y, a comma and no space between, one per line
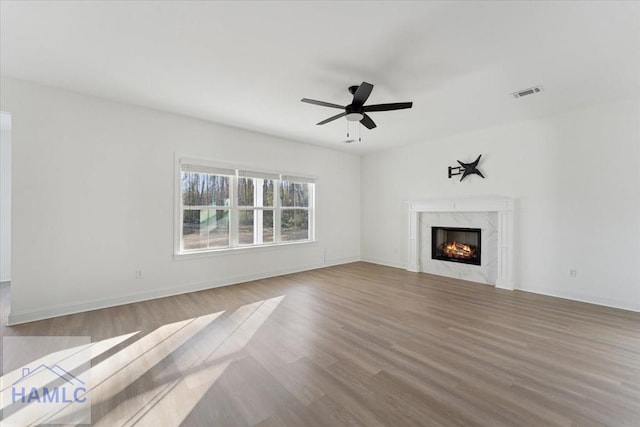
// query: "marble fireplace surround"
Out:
[500,205]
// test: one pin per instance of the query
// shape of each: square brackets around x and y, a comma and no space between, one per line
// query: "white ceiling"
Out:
[248,64]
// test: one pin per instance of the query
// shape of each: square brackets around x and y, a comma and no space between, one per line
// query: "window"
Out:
[222,208]
[256,208]
[294,216]
[206,196]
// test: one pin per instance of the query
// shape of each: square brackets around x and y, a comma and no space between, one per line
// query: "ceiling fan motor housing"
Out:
[354,113]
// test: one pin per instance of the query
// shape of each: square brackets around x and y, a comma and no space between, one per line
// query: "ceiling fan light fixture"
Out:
[355,117]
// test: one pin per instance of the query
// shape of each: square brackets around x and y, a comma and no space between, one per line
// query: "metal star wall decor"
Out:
[466,169]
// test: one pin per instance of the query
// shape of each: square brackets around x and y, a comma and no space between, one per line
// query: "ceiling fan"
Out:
[357,111]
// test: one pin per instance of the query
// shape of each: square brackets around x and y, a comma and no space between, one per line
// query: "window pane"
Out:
[267,192]
[294,225]
[245,227]
[247,196]
[245,192]
[201,189]
[250,224]
[294,194]
[205,228]
[267,226]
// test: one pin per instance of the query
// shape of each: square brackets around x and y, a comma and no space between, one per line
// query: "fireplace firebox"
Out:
[456,244]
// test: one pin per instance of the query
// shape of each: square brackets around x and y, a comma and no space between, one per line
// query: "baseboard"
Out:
[381,262]
[83,306]
[605,302]
[340,261]
[63,310]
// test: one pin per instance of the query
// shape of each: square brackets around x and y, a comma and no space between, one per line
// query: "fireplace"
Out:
[456,244]
[494,215]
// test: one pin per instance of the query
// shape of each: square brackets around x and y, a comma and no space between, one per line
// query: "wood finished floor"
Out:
[358,345]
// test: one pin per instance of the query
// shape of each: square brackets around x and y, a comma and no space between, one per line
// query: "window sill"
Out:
[182,256]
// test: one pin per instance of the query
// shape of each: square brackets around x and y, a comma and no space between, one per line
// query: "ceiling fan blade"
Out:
[362,94]
[388,107]
[367,122]
[321,103]
[330,119]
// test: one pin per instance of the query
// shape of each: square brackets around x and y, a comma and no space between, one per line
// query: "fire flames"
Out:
[457,250]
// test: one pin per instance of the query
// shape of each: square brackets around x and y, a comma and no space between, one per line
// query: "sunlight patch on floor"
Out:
[113,375]
[197,368]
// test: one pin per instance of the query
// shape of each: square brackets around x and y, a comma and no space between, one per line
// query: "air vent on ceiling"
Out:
[528,91]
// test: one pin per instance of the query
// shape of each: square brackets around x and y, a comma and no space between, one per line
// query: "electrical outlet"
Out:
[573,273]
[138,274]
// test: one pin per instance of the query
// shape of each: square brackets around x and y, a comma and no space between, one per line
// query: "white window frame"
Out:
[235,173]
[259,178]
[311,209]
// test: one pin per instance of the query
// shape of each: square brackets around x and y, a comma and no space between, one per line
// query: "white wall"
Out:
[5,197]
[93,202]
[576,179]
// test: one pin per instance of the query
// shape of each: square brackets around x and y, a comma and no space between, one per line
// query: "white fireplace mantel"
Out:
[502,206]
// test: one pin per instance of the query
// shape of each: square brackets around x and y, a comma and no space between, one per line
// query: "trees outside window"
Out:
[229,208]
[294,217]
[205,210]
